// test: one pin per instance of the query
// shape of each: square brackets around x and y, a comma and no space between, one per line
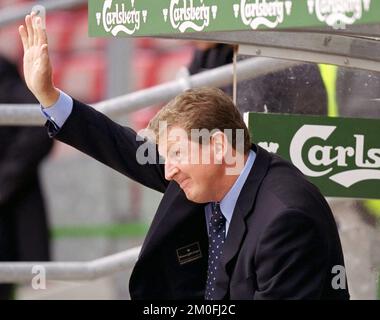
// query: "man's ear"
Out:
[219,143]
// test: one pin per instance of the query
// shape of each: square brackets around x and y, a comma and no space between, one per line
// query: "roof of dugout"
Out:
[341,32]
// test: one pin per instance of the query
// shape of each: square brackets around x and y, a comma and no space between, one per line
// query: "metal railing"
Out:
[23,272]
[12,114]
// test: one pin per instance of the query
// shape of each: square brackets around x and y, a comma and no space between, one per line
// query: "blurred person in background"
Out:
[23,221]
[298,89]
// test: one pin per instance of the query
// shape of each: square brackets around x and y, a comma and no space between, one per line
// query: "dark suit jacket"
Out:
[282,242]
[23,221]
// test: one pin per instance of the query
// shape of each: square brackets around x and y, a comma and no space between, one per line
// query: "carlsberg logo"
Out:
[189,14]
[118,18]
[262,12]
[338,13]
[327,157]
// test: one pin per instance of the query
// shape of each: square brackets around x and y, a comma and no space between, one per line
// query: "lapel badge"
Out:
[189,253]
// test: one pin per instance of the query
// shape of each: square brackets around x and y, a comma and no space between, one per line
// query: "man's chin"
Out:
[193,198]
[189,196]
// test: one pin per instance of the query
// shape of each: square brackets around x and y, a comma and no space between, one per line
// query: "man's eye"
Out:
[175,153]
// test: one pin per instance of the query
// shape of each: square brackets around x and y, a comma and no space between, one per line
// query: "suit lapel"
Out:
[237,228]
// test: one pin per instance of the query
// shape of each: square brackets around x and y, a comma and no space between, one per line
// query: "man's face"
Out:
[192,165]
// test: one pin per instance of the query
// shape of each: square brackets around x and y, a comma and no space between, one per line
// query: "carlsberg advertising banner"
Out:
[157,17]
[339,155]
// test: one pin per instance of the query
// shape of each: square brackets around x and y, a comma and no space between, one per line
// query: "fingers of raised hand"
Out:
[24,37]
[40,32]
[34,26]
[32,34]
[29,29]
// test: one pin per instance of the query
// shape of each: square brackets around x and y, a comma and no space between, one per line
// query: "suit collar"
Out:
[248,193]
[228,203]
[243,208]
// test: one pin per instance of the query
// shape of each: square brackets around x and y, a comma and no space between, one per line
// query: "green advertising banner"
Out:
[339,155]
[158,17]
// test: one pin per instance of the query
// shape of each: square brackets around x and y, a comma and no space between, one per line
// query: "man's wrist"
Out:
[49,99]
[59,111]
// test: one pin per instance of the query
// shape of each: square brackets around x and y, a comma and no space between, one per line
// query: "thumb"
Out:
[44,54]
[44,49]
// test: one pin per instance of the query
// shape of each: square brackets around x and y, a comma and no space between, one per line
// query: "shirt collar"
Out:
[228,203]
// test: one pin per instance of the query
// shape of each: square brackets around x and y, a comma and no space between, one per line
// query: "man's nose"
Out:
[170,170]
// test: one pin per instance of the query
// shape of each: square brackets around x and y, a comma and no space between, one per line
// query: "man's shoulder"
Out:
[285,188]
[287,201]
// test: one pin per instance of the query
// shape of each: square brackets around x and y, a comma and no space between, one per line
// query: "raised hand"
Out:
[37,66]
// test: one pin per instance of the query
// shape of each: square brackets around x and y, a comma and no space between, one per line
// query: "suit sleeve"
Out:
[112,144]
[29,146]
[291,259]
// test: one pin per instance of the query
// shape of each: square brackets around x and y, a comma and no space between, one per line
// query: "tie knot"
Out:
[217,219]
